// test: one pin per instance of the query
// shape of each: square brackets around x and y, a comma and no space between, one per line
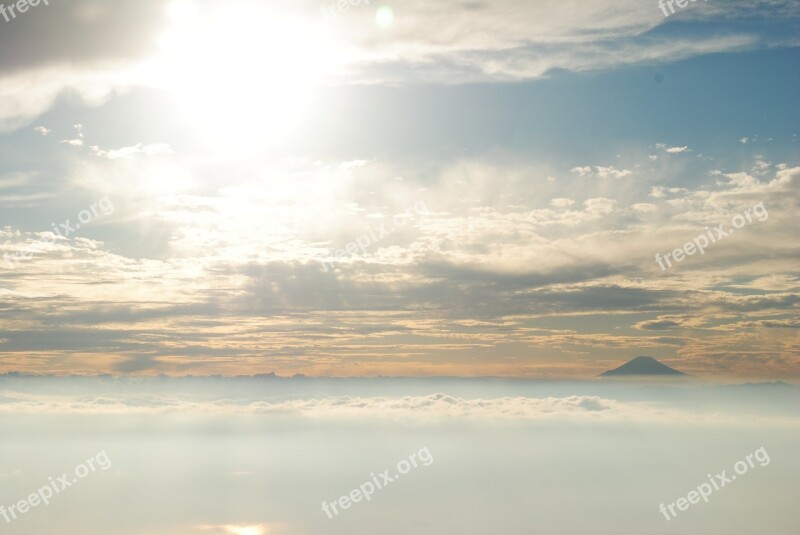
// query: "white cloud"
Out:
[508,40]
[659,192]
[15,180]
[601,171]
[72,142]
[677,150]
[244,529]
[600,206]
[353,164]
[432,407]
[129,152]
[582,171]
[78,141]
[612,172]
[644,207]
[561,202]
[761,167]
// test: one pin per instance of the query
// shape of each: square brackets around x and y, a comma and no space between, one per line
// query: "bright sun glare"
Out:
[244,75]
[250,530]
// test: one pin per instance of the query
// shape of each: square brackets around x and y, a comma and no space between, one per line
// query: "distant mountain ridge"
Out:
[642,366]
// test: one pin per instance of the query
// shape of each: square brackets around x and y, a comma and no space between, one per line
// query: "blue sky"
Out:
[557,147]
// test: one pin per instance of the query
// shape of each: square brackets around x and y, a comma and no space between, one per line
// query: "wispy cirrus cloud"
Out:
[439,42]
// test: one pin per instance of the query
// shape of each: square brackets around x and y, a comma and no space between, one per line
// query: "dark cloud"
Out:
[80,32]
[658,325]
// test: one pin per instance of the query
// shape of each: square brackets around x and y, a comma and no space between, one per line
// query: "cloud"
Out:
[26,95]
[431,406]
[129,152]
[244,529]
[78,141]
[600,206]
[612,172]
[644,207]
[659,192]
[508,41]
[582,171]
[72,142]
[423,408]
[677,150]
[224,275]
[442,42]
[601,172]
[15,180]
[562,202]
[657,325]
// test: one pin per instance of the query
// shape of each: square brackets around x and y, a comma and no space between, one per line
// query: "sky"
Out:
[401,188]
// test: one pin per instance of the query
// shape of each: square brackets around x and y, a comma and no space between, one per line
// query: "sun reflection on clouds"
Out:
[181,11]
[242,529]
[246,530]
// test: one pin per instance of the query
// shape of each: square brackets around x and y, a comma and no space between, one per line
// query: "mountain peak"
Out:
[642,366]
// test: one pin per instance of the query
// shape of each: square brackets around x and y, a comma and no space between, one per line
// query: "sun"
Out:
[242,74]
